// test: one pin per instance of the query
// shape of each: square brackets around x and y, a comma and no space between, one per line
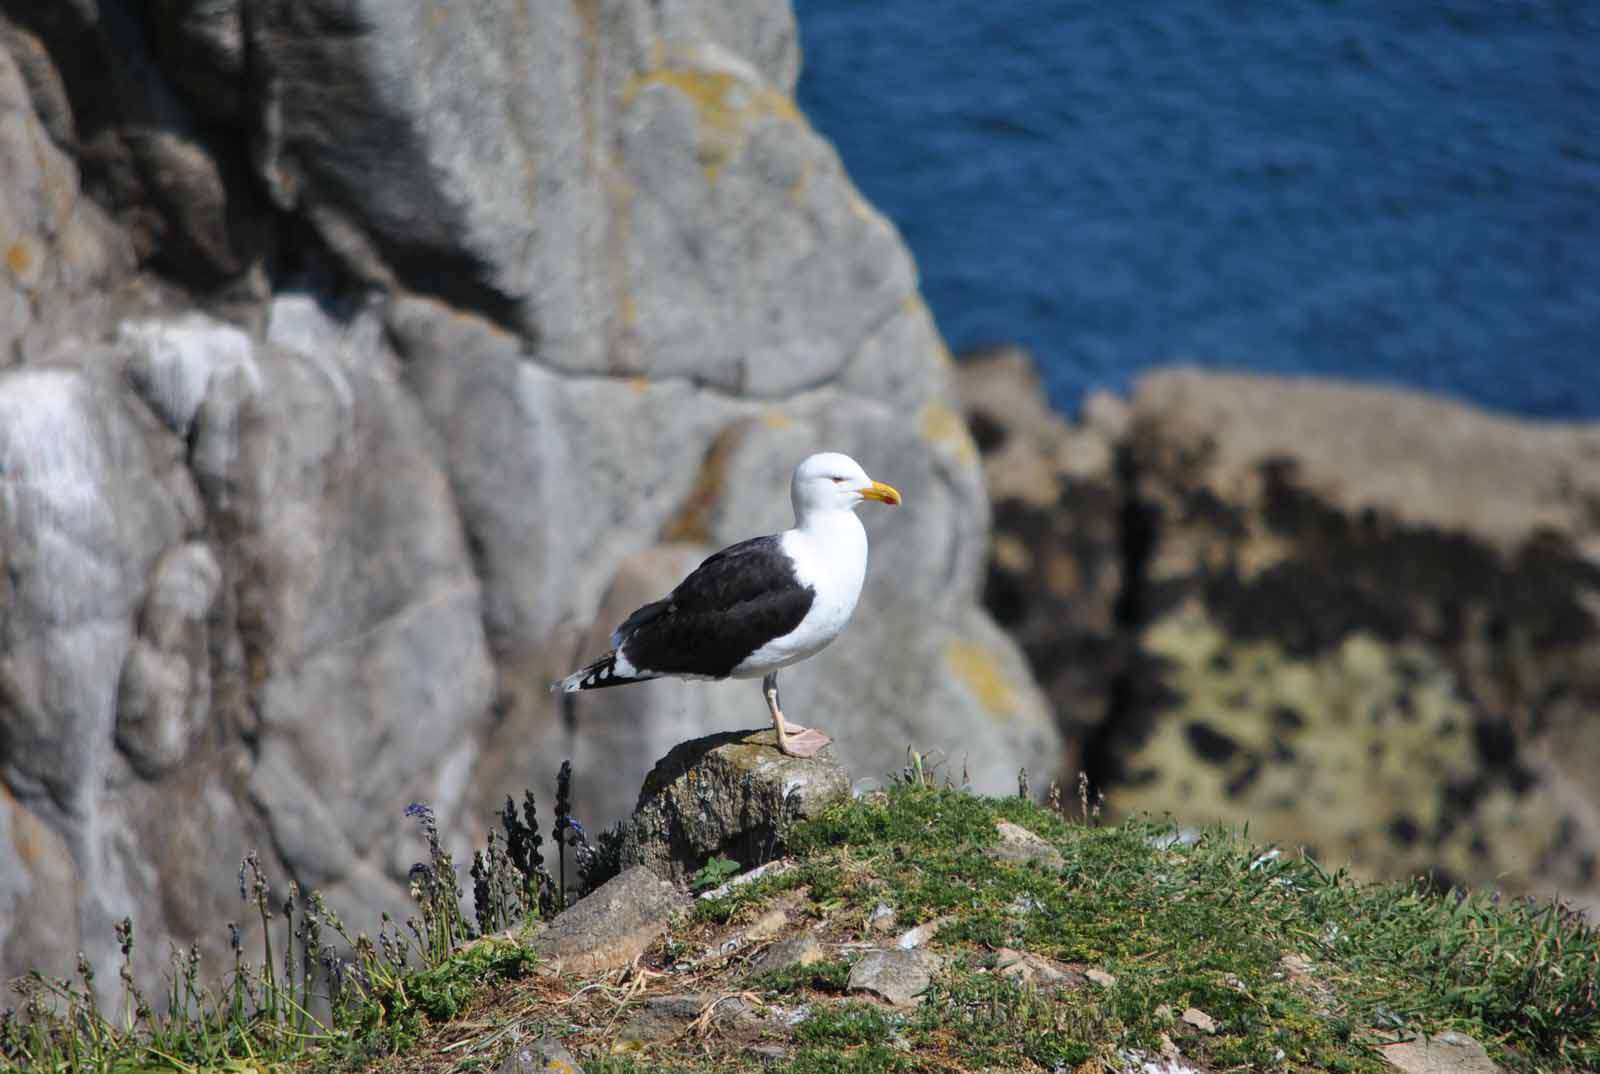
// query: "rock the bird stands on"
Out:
[760,605]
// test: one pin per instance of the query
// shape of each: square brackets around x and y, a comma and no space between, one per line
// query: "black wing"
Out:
[729,606]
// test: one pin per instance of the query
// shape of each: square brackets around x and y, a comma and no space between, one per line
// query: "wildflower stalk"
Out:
[258,892]
[563,822]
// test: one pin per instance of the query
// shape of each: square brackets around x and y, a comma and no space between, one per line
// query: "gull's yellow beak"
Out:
[882,493]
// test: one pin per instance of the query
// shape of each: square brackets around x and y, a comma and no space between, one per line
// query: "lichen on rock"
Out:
[732,795]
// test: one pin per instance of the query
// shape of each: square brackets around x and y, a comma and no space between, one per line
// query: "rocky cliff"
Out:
[1362,621]
[359,362]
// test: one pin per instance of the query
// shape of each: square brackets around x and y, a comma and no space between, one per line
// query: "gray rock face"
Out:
[58,246]
[613,924]
[173,182]
[359,363]
[733,795]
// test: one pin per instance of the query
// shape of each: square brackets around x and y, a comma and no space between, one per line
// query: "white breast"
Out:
[830,556]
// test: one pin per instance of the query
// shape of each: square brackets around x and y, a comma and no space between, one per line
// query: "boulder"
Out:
[1447,1053]
[1019,846]
[898,977]
[612,925]
[1370,622]
[732,795]
[355,354]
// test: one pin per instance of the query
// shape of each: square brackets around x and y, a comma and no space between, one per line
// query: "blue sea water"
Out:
[1396,191]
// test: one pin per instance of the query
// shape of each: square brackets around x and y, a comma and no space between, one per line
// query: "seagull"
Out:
[760,605]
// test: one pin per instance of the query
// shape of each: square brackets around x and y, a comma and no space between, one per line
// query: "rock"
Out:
[794,953]
[769,924]
[733,1017]
[31,885]
[771,868]
[612,925]
[1247,595]
[732,795]
[1447,1053]
[705,141]
[921,934]
[201,45]
[57,244]
[1029,969]
[1101,978]
[1194,1016]
[703,469]
[1346,587]
[83,523]
[1057,558]
[658,1018]
[164,697]
[283,553]
[544,1056]
[172,182]
[896,976]
[1018,846]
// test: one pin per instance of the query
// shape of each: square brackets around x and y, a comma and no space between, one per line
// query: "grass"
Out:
[1299,968]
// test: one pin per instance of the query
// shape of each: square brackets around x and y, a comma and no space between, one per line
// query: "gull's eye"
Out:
[837,480]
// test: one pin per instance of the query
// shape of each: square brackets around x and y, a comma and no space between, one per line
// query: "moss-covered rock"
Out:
[731,795]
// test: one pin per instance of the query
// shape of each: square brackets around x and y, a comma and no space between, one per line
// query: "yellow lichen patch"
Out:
[777,419]
[860,209]
[943,427]
[802,184]
[21,838]
[913,305]
[19,259]
[1011,553]
[639,384]
[1322,750]
[725,107]
[976,666]
[694,518]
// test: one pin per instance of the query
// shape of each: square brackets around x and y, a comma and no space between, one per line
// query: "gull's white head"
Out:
[834,482]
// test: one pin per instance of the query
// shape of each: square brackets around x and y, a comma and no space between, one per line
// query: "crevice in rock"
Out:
[1138,533]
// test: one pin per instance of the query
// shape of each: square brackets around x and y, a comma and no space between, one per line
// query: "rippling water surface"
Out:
[1389,190]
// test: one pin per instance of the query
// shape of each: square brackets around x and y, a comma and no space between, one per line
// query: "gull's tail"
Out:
[611,669]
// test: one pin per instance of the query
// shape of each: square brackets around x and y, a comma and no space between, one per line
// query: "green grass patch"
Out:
[829,976]
[1204,923]
[728,908]
[1207,925]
